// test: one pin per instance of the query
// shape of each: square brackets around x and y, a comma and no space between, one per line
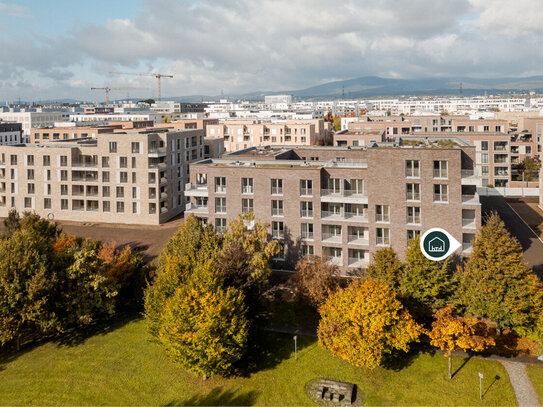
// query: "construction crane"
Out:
[159,76]
[108,89]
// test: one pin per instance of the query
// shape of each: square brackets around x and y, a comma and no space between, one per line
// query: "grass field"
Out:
[536,376]
[121,366]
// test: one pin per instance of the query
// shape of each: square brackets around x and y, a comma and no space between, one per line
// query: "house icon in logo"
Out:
[436,245]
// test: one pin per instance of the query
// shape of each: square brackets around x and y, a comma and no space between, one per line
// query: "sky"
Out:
[59,49]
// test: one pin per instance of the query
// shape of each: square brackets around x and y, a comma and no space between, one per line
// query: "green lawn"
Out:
[536,376]
[123,367]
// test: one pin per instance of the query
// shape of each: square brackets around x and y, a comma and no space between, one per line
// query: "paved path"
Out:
[524,391]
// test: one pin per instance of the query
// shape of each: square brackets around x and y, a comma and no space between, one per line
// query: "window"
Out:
[220,225]
[356,186]
[382,236]
[63,189]
[484,158]
[277,186]
[441,193]
[46,160]
[134,193]
[112,146]
[412,168]
[133,162]
[528,150]
[123,162]
[105,162]
[13,159]
[440,169]
[63,175]
[308,250]
[412,192]
[307,231]
[105,176]
[47,203]
[278,230]
[31,188]
[28,202]
[106,206]
[133,178]
[306,209]
[105,191]
[64,204]
[119,192]
[30,174]
[30,160]
[135,147]
[484,145]
[247,205]
[220,184]
[306,187]
[134,207]
[413,215]
[485,172]
[277,208]
[120,207]
[247,186]
[123,177]
[220,205]
[382,213]
[412,234]
[63,161]
[334,185]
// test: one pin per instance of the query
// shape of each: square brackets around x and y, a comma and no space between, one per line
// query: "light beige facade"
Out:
[341,203]
[135,177]
[243,134]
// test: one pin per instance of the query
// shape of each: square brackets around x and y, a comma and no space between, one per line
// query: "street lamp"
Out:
[295,347]
[480,386]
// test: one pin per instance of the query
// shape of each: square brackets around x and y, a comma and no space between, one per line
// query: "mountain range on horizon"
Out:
[375,86]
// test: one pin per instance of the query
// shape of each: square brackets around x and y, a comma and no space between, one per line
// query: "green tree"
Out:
[365,322]
[204,328]
[496,284]
[386,267]
[316,280]
[12,222]
[529,167]
[425,285]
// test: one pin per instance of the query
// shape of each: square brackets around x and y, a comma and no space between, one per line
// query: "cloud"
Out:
[248,45]
[14,10]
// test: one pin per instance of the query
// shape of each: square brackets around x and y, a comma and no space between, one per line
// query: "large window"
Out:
[277,208]
[306,187]
[306,209]
[278,230]
[382,236]
[247,205]
[412,192]
[220,184]
[220,205]
[307,231]
[220,225]
[112,146]
[440,169]
[441,193]
[382,213]
[412,168]
[247,186]
[276,186]
[413,215]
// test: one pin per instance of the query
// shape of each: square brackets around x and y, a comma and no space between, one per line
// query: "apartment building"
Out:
[11,133]
[188,124]
[340,203]
[243,134]
[31,119]
[135,177]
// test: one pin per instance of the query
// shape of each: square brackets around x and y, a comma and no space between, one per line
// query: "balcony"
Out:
[470,177]
[335,261]
[156,152]
[196,190]
[347,216]
[357,262]
[358,240]
[345,196]
[197,210]
[348,163]
[331,238]
[84,164]
[471,199]
[468,223]
[157,166]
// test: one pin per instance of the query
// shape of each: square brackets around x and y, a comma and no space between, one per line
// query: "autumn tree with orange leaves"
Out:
[450,332]
[365,322]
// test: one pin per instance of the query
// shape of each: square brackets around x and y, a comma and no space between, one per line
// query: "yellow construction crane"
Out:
[159,76]
[108,89]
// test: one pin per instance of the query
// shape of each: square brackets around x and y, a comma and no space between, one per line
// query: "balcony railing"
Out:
[357,262]
[196,208]
[306,191]
[335,261]
[278,234]
[247,190]
[277,191]
[470,199]
[220,209]
[468,223]
[466,248]
[308,236]
[356,239]
[77,163]
[307,213]
[331,237]
[277,212]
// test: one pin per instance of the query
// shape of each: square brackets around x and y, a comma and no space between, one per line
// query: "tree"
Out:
[204,328]
[316,280]
[496,284]
[425,285]
[365,322]
[336,123]
[12,222]
[529,168]
[450,332]
[386,267]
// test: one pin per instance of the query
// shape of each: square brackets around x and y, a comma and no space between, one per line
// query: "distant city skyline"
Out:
[55,50]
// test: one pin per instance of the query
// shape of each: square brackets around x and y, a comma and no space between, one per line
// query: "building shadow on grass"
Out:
[219,397]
